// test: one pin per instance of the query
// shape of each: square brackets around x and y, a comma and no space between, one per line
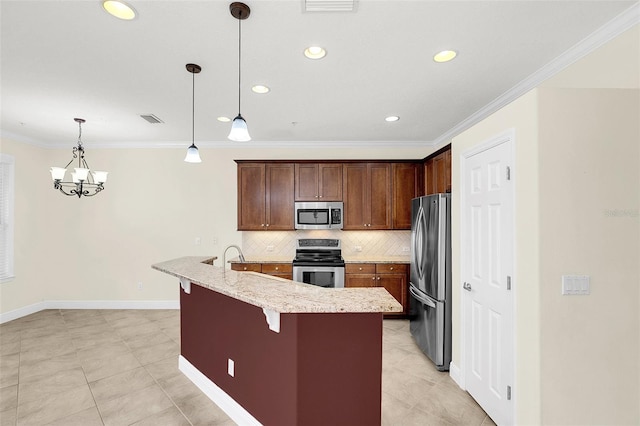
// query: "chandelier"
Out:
[82,182]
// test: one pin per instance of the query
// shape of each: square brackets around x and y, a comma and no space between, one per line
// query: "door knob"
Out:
[466,286]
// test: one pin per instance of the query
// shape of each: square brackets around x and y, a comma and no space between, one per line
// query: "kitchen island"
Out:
[275,352]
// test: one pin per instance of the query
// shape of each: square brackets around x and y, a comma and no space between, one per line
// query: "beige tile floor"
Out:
[119,367]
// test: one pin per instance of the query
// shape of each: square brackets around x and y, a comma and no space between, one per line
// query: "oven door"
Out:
[322,276]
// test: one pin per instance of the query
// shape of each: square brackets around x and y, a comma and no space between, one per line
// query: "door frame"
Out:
[508,137]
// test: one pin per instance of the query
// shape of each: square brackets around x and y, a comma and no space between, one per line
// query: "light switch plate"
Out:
[576,285]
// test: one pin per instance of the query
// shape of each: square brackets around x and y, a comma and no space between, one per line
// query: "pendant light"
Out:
[192,153]
[239,131]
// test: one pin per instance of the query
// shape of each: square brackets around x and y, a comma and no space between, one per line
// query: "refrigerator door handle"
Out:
[418,252]
[422,299]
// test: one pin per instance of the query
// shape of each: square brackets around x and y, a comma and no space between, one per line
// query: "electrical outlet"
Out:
[405,249]
[198,241]
[358,248]
[139,286]
[270,248]
[215,241]
[231,367]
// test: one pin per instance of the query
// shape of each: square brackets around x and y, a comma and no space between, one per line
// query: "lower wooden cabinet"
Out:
[392,276]
[282,270]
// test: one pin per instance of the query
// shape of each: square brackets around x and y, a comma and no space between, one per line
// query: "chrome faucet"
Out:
[224,255]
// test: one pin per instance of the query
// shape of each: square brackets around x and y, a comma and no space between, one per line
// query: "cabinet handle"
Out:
[378,278]
[391,269]
[359,269]
[373,278]
[245,268]
[267,225]
[321,196]
[316,196]
[262,224]
[277,268]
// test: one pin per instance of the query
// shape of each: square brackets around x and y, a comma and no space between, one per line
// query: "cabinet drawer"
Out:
[392,268]
[360,268]
[252,267]
[277,268]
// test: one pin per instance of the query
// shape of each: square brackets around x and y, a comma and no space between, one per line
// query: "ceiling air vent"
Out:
[329,5]
[151,118]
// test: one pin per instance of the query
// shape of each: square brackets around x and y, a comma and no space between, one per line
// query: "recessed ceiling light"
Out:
[224,119]
[392,118]
[445,56]
[315,52]
[119,9]
[260,89]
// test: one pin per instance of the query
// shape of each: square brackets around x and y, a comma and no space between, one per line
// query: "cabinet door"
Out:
[330,182]
[361,280]
[429,182]
[306,182]
[251,196]
[356,214]
[379,196]
[396,285]
[406,186]
[282,270]
[251,267]
[440,173]
[279,204]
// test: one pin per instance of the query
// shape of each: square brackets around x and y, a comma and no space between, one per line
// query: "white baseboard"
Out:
[88,304]
[456,375]
[234,410]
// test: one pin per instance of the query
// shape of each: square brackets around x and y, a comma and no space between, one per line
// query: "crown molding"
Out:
[223,144]
[621,23]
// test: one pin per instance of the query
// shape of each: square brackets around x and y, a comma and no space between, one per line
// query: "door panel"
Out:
[487,261]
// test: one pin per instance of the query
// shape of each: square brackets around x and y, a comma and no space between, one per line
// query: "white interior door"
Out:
[487,271]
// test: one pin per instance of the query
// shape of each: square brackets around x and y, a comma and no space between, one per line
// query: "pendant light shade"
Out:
[239,131]
[193,156]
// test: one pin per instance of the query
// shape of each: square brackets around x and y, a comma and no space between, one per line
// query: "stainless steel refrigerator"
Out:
[430,284]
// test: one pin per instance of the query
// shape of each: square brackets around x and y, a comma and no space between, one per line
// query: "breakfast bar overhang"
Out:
[276,352]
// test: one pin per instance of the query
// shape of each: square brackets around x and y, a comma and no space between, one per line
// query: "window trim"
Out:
[7,212]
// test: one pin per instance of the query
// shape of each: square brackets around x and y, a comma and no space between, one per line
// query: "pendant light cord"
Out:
[193,107]
[239,56]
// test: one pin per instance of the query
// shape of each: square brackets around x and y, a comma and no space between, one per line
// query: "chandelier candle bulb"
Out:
[81,173]
[100,177]
[57,173]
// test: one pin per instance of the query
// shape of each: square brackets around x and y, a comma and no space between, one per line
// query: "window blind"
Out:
[6,216]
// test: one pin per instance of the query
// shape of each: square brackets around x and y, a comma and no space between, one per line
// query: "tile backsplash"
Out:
[370,243]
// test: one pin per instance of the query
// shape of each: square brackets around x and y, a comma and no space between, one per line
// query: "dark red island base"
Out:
[319,369]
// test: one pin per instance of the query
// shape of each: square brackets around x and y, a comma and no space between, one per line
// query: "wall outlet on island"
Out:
[231,367]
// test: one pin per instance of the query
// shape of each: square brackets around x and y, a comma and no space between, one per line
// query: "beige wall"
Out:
[521,116]
[153,208]
[589,144]
[577,176]
[31,256]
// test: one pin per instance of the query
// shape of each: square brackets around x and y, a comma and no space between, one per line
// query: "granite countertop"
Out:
[278,294]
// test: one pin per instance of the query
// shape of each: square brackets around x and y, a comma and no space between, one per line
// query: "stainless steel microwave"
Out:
[319,215]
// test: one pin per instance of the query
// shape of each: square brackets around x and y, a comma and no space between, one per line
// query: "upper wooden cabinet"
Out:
[367,195]
[407,184]
[437,173]
[265,196]
[318,181]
